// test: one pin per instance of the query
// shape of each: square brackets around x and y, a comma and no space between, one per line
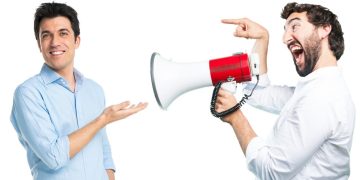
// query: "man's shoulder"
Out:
[30,87]
[91,85]
[85,81]
[91,82]
[31,83]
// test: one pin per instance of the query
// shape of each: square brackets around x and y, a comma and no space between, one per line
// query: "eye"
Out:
[64,33]
[295,26]
[44,35]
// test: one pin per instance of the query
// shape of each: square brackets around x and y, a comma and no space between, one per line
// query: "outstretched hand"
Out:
[121,111]
[249,29]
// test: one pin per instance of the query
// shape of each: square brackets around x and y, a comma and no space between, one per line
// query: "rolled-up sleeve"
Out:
[108,160]
[35,129]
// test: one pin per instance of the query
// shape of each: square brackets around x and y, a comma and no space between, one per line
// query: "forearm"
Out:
[83,136]
[243,130]
[271,98]
[80,138]
[111,174]
[261,48]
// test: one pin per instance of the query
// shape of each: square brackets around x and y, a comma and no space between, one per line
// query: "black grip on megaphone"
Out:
[234,108]
[213,102]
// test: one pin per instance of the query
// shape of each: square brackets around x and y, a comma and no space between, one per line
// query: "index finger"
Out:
[134,109]
[232,21]
[140,106]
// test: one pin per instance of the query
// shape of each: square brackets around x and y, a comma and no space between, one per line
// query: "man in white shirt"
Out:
[313,135]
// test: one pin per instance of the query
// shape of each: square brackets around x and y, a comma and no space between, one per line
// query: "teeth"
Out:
[56,52]
[295,48]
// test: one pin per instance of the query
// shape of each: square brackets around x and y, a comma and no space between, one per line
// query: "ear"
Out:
[324,31]
[77,41]
[38,43]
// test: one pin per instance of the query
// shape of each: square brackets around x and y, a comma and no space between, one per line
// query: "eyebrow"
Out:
[62,29]
[44,32]
[291,20]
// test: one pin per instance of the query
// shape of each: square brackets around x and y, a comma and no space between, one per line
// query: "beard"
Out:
[312,47]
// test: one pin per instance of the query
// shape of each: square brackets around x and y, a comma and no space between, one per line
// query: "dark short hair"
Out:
[319,16]
[53,9]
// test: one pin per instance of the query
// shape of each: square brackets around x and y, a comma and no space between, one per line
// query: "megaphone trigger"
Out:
[229,86]
[255,64]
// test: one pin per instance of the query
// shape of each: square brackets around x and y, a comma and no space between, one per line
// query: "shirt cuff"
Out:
[109,164]
[264,81]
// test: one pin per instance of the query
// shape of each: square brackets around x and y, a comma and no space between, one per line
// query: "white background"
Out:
[117,39]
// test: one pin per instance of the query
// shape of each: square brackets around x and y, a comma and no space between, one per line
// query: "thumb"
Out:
[241,31]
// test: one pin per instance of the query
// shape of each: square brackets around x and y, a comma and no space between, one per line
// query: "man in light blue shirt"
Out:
[60,115]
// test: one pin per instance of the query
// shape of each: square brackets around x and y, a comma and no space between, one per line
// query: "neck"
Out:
[326,58]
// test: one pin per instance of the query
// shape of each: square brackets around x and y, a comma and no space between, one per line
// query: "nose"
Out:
[287,37]
[55,41]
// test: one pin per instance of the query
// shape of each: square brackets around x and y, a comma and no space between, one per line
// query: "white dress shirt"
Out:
[313,134]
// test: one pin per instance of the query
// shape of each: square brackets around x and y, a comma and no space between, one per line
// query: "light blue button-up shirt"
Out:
[45,112]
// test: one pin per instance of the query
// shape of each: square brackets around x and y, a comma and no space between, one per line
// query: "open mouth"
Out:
[297,52]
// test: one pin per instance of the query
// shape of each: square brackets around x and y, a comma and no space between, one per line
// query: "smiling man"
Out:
[59,114]
[312,137]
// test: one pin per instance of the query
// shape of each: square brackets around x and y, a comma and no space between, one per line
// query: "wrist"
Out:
[234,117]
[103,120]
[265,35]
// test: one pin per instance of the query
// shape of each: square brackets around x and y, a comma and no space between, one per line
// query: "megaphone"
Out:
[171,79]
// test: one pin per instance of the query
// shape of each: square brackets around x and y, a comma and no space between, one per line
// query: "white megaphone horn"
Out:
[170,79]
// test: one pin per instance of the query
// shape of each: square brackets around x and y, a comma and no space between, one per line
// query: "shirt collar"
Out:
[78,77]
[49,76]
